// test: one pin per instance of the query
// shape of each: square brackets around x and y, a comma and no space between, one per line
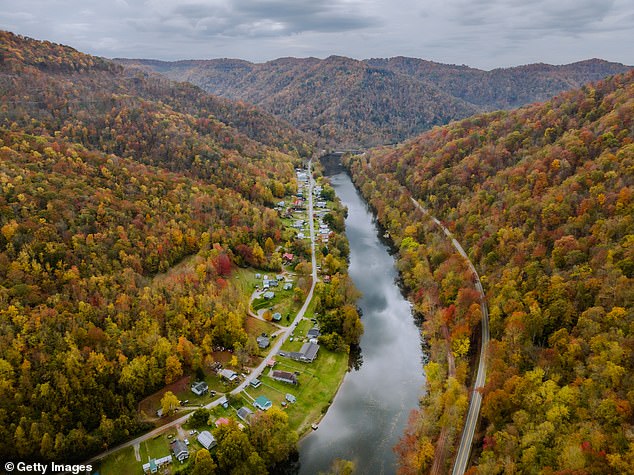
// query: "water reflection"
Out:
[370,411]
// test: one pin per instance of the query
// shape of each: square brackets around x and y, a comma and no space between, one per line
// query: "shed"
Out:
[284,376]
[206,439]
[290,398]
[245,414]
[263,403]
[277,316]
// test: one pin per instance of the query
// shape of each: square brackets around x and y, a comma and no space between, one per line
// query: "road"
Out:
[464,449]
[279,341]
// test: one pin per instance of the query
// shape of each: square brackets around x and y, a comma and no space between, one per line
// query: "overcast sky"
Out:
[480,33]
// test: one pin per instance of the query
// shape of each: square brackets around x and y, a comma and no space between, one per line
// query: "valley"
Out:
[454,296]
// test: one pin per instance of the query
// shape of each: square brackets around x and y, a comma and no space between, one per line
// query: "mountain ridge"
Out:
[350,102]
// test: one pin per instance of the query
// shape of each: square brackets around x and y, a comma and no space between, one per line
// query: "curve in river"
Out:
[370,411]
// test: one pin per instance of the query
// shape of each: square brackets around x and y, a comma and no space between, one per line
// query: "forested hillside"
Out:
[352,103]
[502,88]
[108,179]
[542,199]
[345,102]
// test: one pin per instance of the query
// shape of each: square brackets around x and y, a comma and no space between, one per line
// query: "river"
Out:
[370,411]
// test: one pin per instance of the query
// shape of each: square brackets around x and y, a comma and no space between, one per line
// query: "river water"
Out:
[370,411]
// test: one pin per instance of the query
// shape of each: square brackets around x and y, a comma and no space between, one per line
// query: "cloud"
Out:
[482,33]
[254,18]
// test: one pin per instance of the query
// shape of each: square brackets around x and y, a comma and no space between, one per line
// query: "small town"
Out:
[290,370]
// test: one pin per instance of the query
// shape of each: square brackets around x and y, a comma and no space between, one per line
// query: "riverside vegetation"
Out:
[542,199]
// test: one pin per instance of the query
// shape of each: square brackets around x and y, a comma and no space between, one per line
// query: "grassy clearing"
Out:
[244,279]
[124,461]
[188,264]
[318,384]
[256,327]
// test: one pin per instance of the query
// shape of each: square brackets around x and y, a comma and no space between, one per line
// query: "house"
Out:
[269,295]
[273,283]
[309,352]
[222,421]
[181,452]
[263,403]
[288,286]
[206,439]
[265,284]
[290,398]
[245,414]
[313,333]
[277,316]
[256,383]
[228,374]
[154,464]
[288,257]
[199,388]
[263,342]
[296,355]
[284,376]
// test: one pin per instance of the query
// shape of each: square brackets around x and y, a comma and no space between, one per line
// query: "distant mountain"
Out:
[504,88]
[351,103]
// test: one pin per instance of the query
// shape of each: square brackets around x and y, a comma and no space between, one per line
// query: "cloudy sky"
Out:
[480,33]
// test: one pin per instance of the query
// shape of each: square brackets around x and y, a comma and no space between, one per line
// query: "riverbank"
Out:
[371,408]
[439,283]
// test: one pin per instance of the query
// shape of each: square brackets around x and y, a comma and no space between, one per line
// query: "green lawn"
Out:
[256,327]
[318,382]
[124,461]
[245,280]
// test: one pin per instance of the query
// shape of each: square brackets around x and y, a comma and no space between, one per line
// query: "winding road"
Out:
[279,341]
[464,449]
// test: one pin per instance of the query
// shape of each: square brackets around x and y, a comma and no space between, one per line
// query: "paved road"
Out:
[464,449]
[279,341]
